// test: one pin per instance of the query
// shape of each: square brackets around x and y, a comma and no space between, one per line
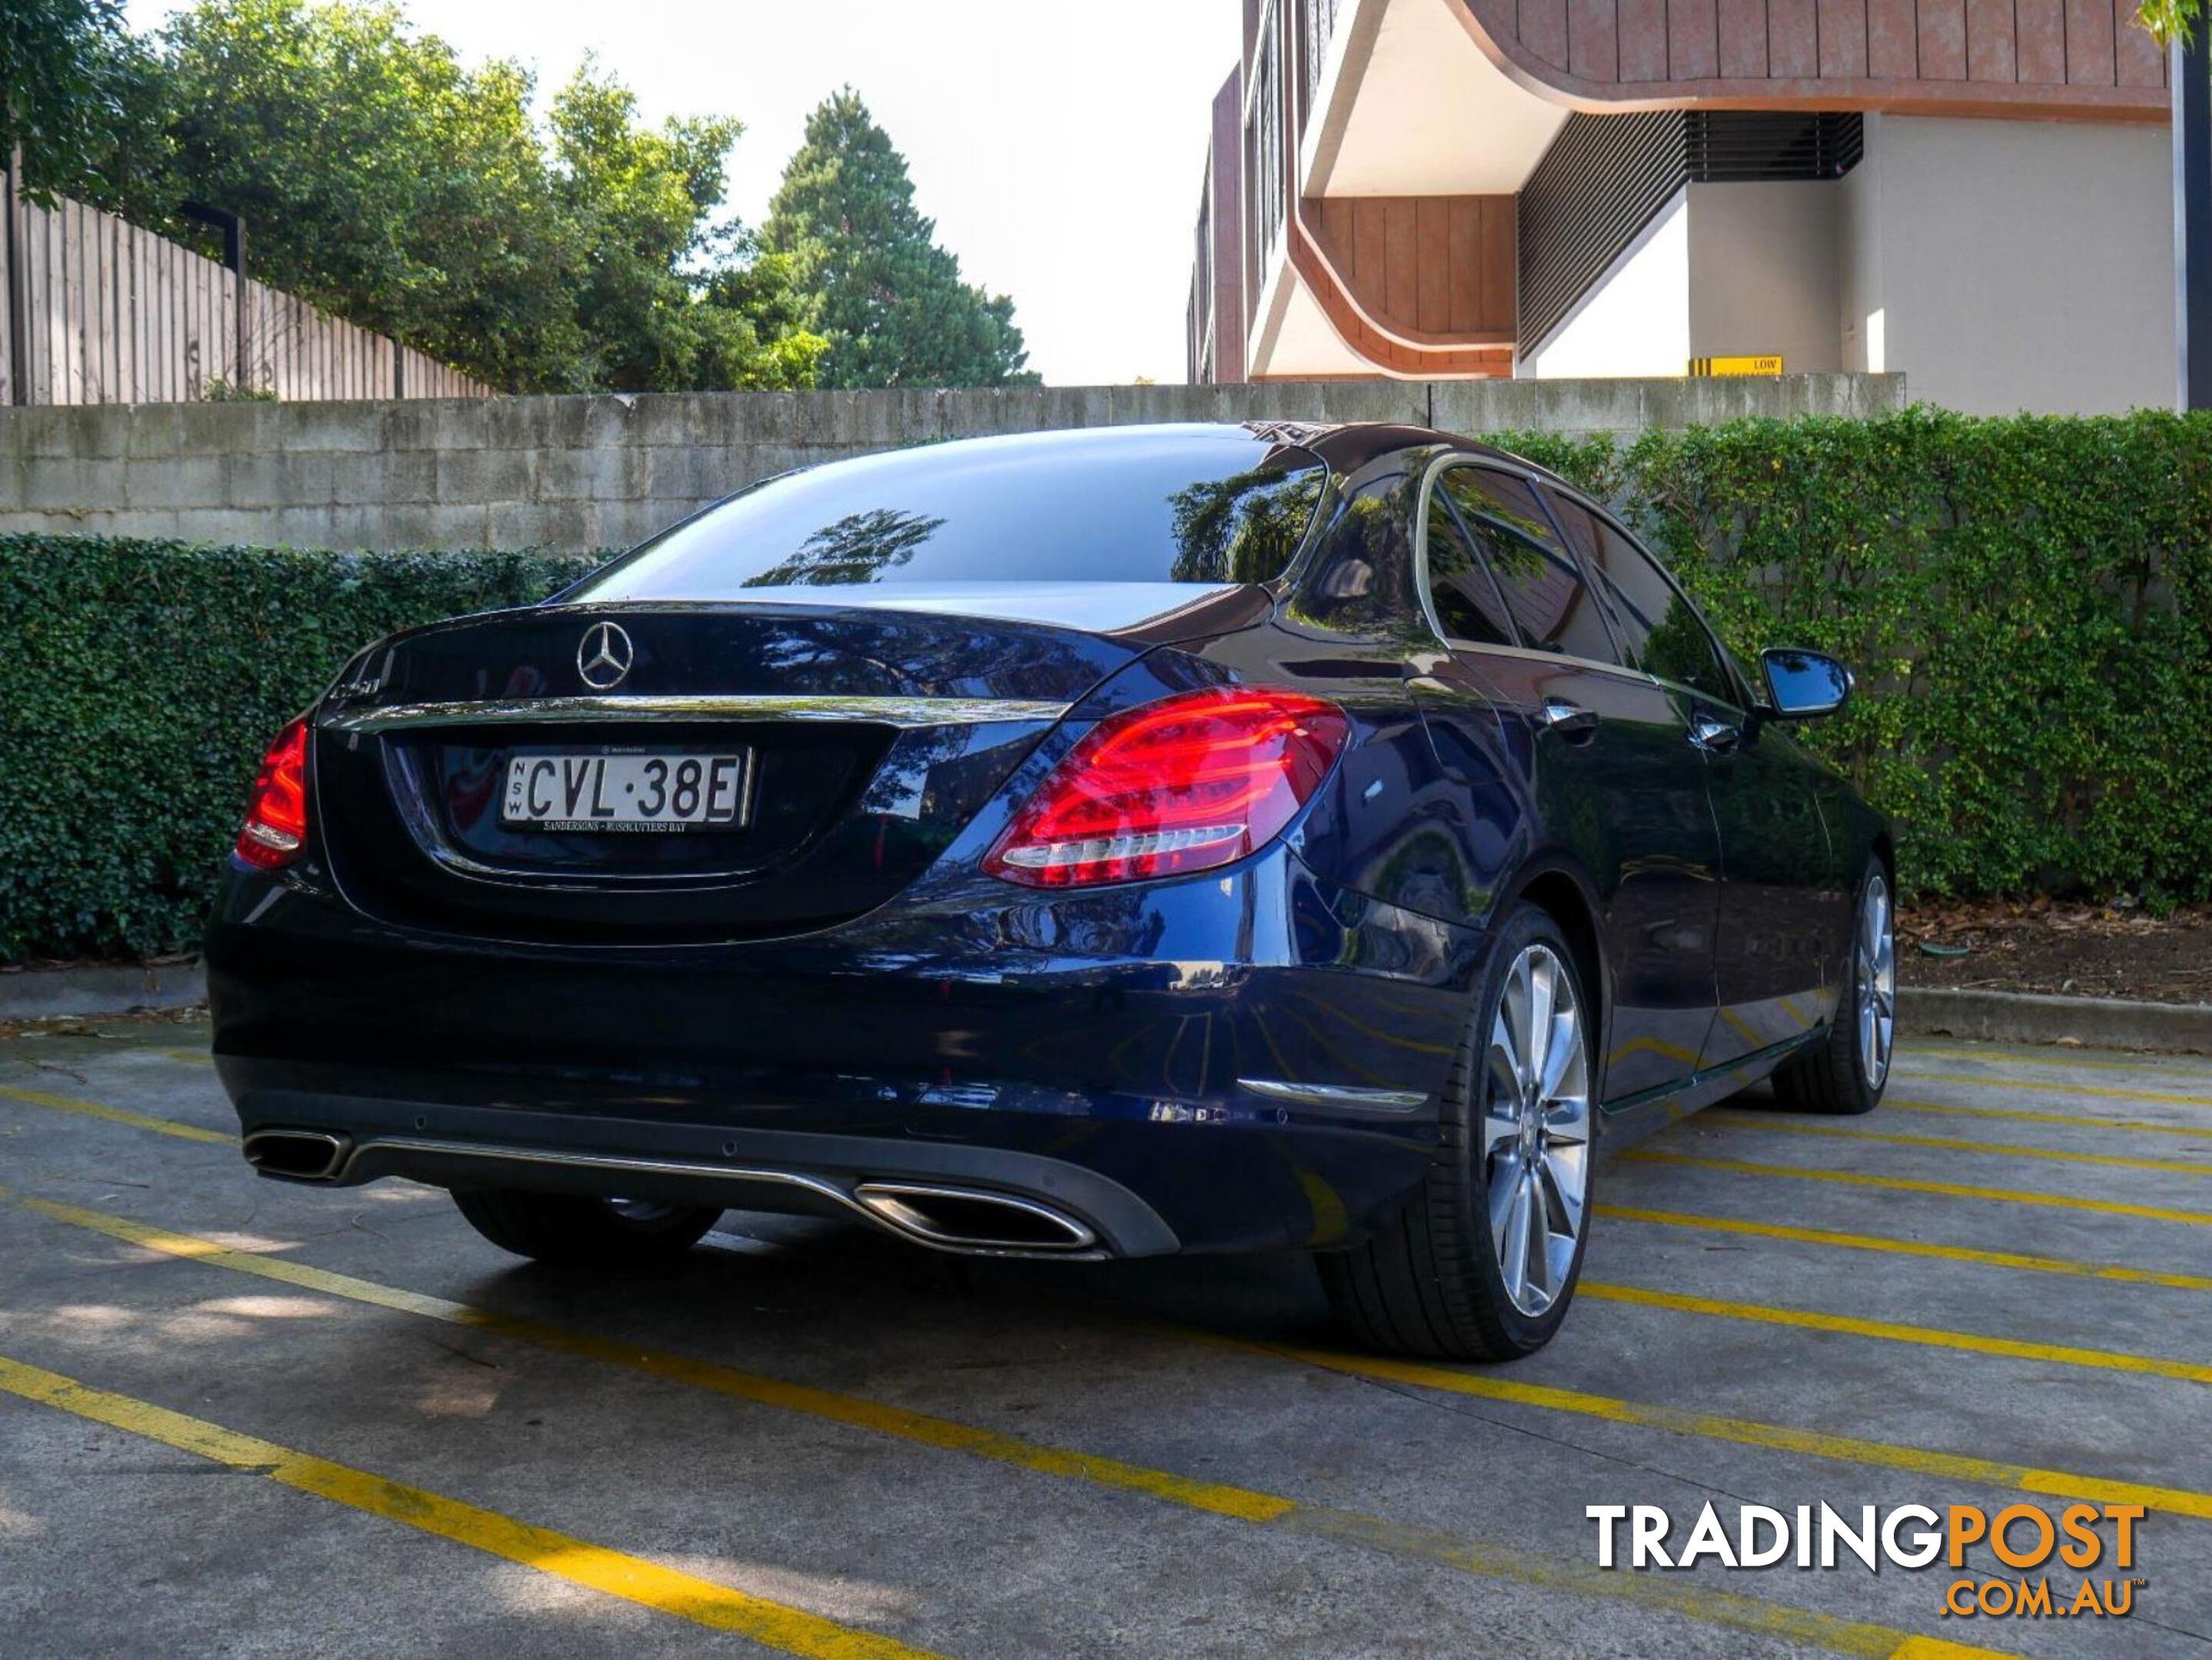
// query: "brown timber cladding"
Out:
[1423,266]
[1951,55]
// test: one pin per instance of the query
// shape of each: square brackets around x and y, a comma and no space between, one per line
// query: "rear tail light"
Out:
[1185,784]
[277,817]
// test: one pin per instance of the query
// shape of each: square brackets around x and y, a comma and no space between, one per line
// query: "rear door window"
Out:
[1544,592]
[1469,606]
[1662,630]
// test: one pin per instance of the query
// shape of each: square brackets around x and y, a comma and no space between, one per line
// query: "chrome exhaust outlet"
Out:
[968,1219]
[296,1155]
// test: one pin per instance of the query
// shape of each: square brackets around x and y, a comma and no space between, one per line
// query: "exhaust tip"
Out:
[296,1155]
[966,1218]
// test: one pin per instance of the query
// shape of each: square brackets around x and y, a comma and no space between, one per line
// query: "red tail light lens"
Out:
[277,817]
[1185,784]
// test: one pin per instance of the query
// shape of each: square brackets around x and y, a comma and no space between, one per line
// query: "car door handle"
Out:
[1577,723]
[1714,736]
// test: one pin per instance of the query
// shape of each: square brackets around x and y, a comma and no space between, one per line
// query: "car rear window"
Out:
[1210,505]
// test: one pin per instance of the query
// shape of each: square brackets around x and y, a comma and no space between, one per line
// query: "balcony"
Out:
[1381,148]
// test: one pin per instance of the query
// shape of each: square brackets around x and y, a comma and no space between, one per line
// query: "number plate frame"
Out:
[604,791]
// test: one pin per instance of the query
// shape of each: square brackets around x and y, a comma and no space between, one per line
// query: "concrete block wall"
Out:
[593,472]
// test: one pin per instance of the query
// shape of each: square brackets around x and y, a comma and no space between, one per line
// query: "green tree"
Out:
[385,181]
[889,300]
[66,79]
[2169,20]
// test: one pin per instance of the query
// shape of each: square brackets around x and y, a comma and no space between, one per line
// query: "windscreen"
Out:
[1143,504]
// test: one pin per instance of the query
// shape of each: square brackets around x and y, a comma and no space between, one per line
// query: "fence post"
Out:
[18,282]
[2190,78]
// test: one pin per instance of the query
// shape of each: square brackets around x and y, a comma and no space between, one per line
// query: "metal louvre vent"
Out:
[1605,176]
[1599,184]
[1729,147]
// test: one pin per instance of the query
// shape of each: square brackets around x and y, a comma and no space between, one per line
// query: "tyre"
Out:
[1482,1262]
[574,1230]
[1845,1073]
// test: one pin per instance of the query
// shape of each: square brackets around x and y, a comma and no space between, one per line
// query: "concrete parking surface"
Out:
[242,1419]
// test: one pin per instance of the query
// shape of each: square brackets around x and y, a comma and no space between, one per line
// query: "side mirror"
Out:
[1802,685]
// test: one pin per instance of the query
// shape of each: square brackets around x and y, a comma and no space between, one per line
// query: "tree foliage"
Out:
[385,180]
[65,85]
[2169,20]
[876,287]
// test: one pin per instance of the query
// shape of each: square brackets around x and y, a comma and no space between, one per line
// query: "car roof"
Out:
[1346,446]
[1349,446]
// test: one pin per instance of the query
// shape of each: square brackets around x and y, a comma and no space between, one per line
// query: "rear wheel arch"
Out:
[1564,897]
[1885,850]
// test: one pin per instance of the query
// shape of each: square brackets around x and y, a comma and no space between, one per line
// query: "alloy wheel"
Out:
[1876,974]
[1535,1129]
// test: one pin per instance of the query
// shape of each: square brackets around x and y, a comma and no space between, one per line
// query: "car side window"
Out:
[1467,601]
[1660,628]
[1544,594]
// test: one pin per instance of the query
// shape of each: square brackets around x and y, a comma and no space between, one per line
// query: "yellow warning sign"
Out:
[1770,364]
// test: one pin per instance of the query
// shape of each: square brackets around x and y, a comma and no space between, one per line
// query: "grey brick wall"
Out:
[606,471]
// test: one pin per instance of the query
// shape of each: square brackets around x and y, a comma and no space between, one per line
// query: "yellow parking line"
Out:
[1789,1126]
[1893,1331]
[1776,1437]
[2069,1120]
[115,1115]
[699,1374]
[1908,1184]
[194,1057]
[1995,1259]
[575,1560]
[2108,1090]
[2179,1066]
[1426,1545]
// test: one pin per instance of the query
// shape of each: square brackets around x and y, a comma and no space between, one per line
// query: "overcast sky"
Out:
[1059,146]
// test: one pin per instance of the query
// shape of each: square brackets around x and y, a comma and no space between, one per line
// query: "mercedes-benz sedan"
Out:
[1086,844]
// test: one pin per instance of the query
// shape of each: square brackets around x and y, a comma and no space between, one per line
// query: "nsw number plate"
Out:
[663,794]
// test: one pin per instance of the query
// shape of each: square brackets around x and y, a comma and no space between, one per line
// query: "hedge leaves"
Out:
[2028,603]
[139,683]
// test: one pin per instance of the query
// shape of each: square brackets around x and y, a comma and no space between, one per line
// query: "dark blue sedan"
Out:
[1088,844]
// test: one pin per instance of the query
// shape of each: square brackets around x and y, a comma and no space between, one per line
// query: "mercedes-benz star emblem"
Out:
[604,656]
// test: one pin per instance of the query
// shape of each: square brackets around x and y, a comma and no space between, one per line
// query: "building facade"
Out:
[1976,193]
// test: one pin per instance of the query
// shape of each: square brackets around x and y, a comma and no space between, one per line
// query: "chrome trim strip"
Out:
[337,1144]
[1459,459]
[818,1185]
[903,711]
[884,1198]
[1341,1097]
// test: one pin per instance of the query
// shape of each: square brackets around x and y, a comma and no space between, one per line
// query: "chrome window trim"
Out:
[1452,642]
[1727,660]
[890,711]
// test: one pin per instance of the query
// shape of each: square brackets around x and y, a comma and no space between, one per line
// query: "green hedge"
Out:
[2028,602]
[139,682]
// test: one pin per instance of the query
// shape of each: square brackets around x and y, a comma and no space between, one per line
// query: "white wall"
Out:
[1763,273]
[1724,270]
[1636,318]
[2008,265]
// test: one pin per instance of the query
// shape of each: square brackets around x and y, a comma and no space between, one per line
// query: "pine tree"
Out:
[873,281]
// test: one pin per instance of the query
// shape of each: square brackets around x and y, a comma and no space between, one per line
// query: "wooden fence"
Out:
[111,314]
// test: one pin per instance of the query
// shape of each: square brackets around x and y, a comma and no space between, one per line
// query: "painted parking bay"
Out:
[809,1440]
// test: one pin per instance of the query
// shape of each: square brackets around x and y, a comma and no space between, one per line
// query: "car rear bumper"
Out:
[1264,1073]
